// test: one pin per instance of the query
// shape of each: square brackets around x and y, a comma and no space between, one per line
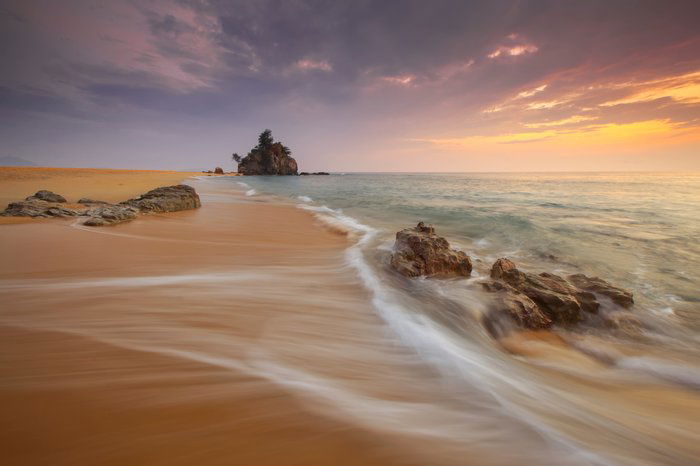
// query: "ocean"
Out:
[640,231]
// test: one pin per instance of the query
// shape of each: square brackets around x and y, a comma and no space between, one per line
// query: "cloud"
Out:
[307,64]
[513,51]
[537,71]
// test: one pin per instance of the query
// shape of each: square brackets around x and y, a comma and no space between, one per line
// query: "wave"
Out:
[251,192]
[306,199]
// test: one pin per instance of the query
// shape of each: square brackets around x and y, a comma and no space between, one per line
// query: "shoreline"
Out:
[124,340]
[197,336]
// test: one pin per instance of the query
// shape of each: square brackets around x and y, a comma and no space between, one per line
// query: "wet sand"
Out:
[238,333]
[164,367]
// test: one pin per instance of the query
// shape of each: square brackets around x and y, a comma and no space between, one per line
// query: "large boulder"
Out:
[166,199]
[563,301]
[420,252]
[219,171]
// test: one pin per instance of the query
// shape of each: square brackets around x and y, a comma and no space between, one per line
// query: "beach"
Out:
[264,328]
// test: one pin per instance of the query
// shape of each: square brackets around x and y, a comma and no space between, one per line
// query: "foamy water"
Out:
[240,288]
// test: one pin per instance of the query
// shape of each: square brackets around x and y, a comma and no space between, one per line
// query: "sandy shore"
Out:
[170,339]
[16,183]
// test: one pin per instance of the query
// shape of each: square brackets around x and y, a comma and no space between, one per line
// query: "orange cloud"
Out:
[644,132]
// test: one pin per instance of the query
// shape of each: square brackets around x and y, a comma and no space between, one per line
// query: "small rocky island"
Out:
[267,158]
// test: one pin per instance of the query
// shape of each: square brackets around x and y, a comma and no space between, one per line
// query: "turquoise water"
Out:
[637,230]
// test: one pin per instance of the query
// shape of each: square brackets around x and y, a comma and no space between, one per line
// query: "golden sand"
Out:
[16,183]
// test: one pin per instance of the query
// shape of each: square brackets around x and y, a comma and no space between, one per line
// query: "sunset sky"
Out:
[353,85]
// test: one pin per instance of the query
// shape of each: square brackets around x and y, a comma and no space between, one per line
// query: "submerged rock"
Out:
[420,252]
[47,196]
[166,199]
[559,300]
[516,306]
[619,296]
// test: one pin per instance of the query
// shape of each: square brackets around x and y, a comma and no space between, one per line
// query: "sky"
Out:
[387,85]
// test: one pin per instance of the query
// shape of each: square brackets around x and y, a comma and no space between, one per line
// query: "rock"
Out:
[619,296]
[219,171]
[37,208]
[166,199]
[109,215]
[420,252]
[520,309]
[47,196]
[562,301]
[85,200]
[268,158]
[500,267]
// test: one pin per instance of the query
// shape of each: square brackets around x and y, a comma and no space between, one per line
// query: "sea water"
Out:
[640,231]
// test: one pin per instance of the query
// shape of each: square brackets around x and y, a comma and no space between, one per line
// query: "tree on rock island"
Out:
[267,158]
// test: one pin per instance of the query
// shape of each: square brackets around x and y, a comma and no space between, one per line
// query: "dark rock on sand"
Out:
[218,171]
[420,252]
[37,208]
[109,215]
[166,199]
[561,301]
[85,200]
[47,196]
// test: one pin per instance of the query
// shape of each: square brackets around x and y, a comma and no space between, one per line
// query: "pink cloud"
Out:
[307,64]
[513,51]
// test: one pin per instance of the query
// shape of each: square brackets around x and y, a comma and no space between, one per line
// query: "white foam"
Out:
[676,373]
[251,192]
[245,185]
[130,282]
[305,199]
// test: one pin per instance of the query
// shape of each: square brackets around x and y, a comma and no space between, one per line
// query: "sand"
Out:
[16,183]
[165,340]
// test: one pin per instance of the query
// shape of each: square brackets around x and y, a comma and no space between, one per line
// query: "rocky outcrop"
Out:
[515,306]
[41,204]
[540,300]
[166,199]
[597,285]
[218,171]
[268,158]
[314,173]
[268,162]
[47,196]
[38,208]
[109,215]
[100,213]
[420,252]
